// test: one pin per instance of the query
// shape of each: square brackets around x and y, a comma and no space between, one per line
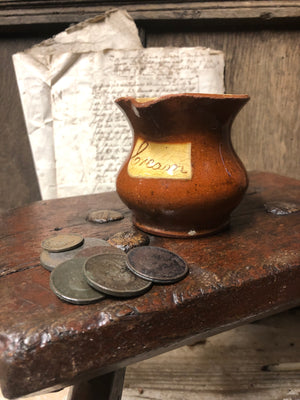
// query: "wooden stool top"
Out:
[244,273]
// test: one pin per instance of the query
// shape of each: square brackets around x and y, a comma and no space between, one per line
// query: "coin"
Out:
[129,239]
[281,207]
[68,282]
[52,260]
[62,242]
[156,264]
[109,274]
[103,216]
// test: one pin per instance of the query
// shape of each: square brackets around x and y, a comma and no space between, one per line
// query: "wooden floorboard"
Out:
[225,366]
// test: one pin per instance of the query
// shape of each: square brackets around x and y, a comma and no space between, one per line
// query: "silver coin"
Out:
[68,282]
[156,264]
[52,260]
[62,242]
[109,274]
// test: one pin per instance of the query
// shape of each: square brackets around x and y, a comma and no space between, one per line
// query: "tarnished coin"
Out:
[52,260]
[156,264]
[109,274]
[68,282]
[62,242]
[281,207]
[103,216]
[129,239]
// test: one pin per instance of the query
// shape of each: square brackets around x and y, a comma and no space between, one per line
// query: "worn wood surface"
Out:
[225,366]
[265,65]
[156,12]
[242,274]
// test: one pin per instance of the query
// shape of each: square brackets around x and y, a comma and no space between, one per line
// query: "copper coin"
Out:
[281,207]
[103,216]
[68,282]
[156,264]
[129,239]
[109,274]
[52,260]
[62,242]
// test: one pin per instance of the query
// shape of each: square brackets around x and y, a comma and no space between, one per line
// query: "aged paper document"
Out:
[80,138]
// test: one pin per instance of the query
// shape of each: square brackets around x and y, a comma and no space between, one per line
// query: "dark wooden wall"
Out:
[266,65]
[18,181]
[261,44]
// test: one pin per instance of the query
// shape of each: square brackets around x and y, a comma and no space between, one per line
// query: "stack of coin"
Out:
[132,274]
[85,271]
[64,255]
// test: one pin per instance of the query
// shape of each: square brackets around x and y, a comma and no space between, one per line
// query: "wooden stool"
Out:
[242,274]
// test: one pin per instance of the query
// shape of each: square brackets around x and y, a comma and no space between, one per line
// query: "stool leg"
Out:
[105,387]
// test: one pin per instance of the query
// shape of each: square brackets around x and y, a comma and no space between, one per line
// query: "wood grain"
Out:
[265,65]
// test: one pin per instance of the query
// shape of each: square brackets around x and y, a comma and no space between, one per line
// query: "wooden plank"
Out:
[240,275]
[46,12]
[265,65]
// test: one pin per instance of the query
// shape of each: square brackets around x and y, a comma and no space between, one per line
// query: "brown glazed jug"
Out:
[182,177]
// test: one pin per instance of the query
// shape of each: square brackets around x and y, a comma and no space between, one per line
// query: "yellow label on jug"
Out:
[160,160]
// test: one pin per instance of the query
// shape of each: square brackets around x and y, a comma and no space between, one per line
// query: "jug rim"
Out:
[145,101]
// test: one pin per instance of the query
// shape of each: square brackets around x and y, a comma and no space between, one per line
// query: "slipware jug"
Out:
[182,177]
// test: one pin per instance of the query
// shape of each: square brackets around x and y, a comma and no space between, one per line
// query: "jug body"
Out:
[182,177]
